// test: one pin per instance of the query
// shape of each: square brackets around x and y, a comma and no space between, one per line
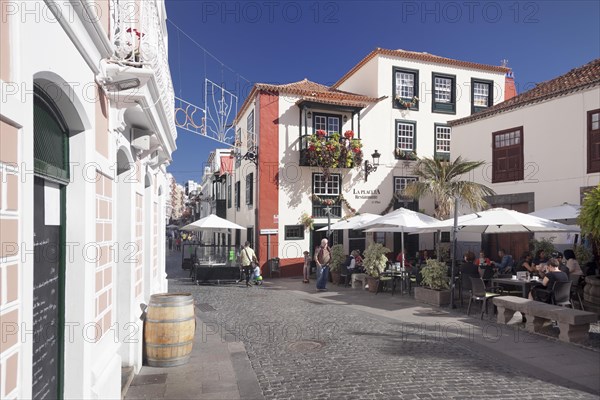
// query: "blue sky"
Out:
[285,41]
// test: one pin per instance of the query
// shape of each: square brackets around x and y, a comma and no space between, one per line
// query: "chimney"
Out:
[510,90]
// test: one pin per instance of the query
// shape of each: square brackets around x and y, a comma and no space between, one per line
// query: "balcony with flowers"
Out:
[331,151]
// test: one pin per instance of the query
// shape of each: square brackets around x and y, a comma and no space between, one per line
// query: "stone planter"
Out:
[591,294]
[373,284]
[434,297]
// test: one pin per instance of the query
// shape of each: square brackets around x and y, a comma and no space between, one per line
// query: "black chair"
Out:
[561,294]
[479,293]
[465,283]
[576,288]
[488,274]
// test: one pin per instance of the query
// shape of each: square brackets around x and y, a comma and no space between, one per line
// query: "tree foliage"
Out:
[444,180]
[589,216]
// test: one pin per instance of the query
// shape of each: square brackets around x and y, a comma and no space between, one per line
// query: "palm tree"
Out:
[442,180]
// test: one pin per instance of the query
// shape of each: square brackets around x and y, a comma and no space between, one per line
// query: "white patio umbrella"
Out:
[565,213]
[401,220]
[501,220]
[211,222]
[354,222]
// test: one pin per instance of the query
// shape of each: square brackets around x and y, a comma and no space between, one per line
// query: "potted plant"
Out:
[434,285]
[307,220]
[338,257]
[374,263]
[407,103]
[400,154]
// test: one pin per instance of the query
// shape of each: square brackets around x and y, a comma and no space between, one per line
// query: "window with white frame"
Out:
[482,95]
[405,135]
[328,123]
[250,135]
[442,140]
[329,187]
[400,182]
[405,85]
[481,91]
[443,90]
[405,88]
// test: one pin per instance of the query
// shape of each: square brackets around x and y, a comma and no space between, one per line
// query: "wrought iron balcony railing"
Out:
[318,208]
[137,34]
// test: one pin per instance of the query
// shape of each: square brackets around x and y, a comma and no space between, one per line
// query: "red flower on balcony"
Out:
[349,135]
[137,33]
[312,148]
[321,133]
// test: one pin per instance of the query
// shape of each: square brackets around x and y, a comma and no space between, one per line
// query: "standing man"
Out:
[247,258]
[322,259]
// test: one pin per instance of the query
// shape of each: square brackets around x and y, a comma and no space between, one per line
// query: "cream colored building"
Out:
[86,132]
[541,148]
[396,102]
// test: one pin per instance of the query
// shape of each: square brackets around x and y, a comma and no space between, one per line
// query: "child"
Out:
[256,277]
[306,269]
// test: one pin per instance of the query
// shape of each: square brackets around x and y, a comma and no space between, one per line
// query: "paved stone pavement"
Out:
[352,344]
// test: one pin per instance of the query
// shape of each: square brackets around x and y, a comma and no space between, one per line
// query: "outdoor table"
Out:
[396,276]
[525,285]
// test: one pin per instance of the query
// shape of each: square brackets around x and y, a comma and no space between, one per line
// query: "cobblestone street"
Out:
[304,347]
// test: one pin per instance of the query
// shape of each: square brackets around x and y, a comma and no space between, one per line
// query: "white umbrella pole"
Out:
[402,244]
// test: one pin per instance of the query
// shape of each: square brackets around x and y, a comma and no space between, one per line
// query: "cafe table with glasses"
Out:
[522,281]
[398,275]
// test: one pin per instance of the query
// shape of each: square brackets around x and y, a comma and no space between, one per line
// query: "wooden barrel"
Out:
[169,329]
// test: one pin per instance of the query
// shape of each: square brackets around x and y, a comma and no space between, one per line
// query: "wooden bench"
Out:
[574,324]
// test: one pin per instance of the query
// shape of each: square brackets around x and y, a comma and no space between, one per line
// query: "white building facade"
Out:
[541,148]
[396,102]
[86,132]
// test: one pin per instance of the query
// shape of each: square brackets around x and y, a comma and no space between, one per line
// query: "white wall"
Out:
[554,147]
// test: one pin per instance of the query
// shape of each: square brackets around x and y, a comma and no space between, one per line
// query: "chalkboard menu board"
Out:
[46,345]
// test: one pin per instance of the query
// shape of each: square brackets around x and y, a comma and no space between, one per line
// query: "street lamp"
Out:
[454,231]
[328,213]
[251,156]
[372,167]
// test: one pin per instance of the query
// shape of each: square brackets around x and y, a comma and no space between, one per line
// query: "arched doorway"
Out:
[51,161]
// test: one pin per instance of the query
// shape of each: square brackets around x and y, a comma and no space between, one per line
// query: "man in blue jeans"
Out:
[322,259]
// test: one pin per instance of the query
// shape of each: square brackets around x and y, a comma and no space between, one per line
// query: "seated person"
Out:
[482,261]
[505,264]
[525,264]
[351,263]
[561,264]
[358,258]
[540,258]
[423,257]
[572,264]
[542,292]
[468,269]
[401,257]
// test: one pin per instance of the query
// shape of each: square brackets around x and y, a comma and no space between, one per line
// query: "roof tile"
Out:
[579,78]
